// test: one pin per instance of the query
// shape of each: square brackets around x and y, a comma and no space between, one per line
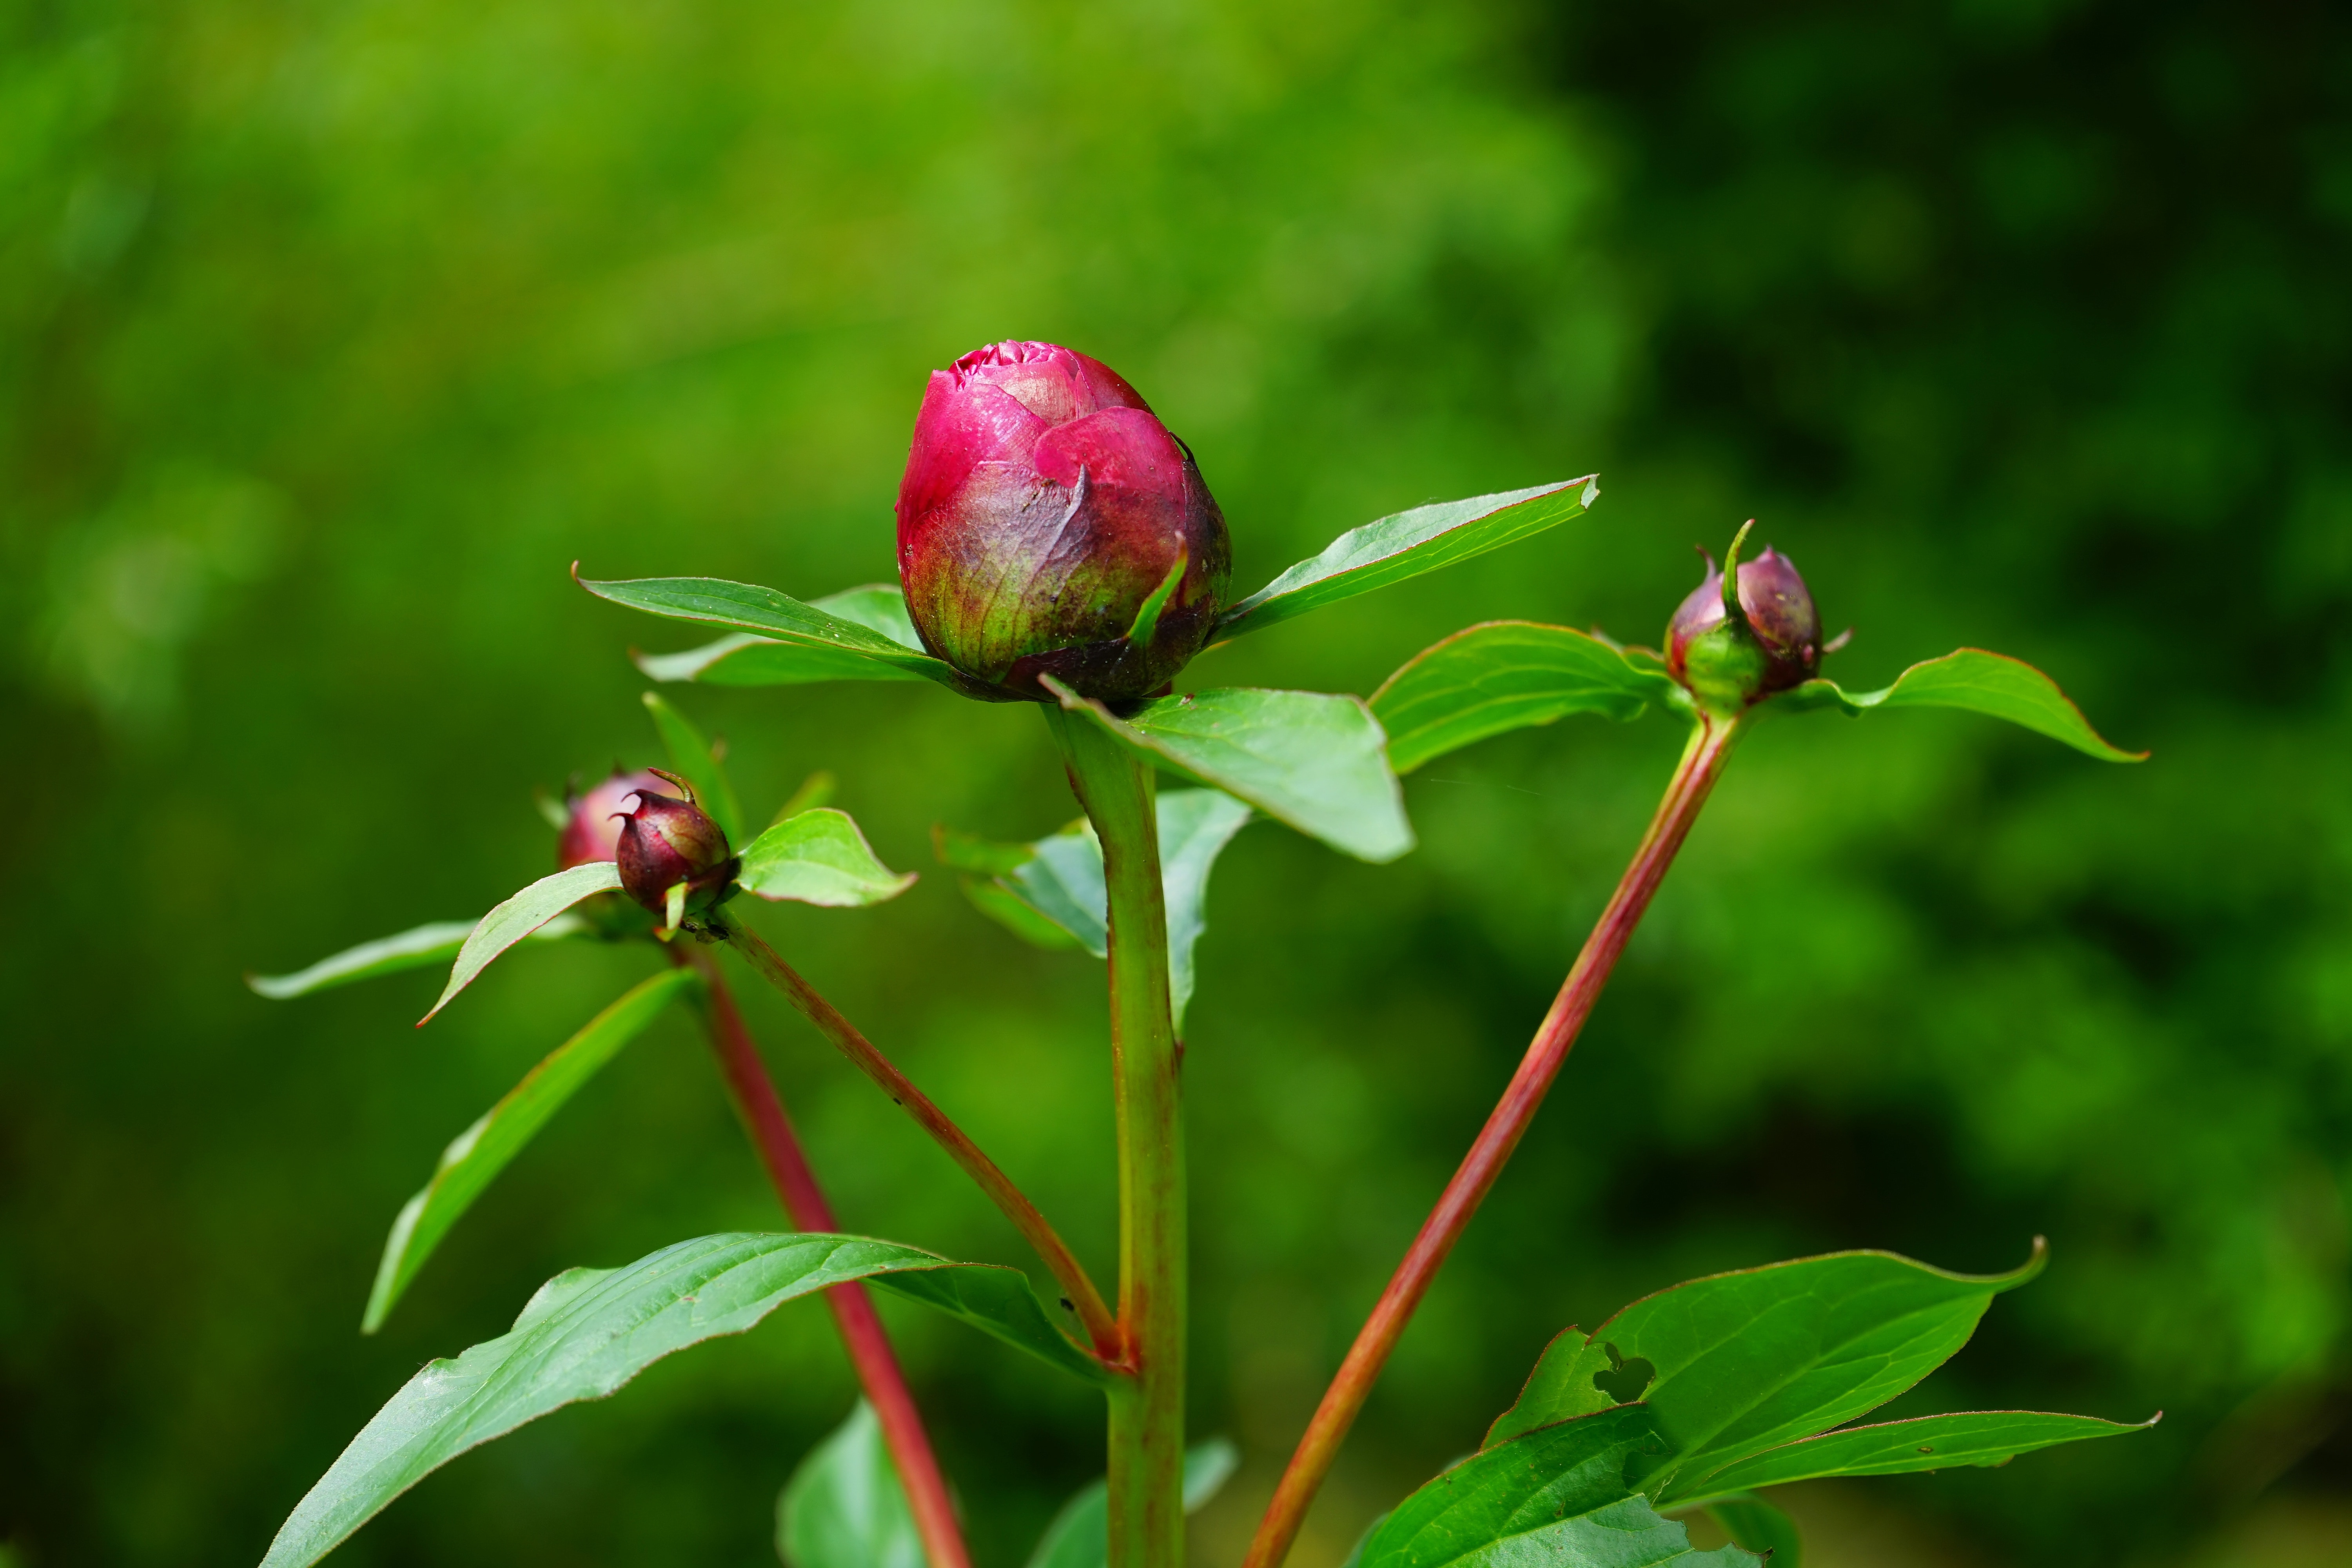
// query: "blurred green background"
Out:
[331,335]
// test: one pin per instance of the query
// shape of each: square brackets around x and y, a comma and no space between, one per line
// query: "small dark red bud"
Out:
[591,827]
[664,840]
[1717,662]
[1049,524]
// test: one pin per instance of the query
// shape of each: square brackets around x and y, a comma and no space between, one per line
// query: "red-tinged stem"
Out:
[1083,1298]
[1694,777]
[762,1109]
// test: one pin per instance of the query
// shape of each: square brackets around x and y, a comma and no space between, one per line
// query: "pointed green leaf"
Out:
[845,1507]
[1406,544]
[877,606]
[1927,1443]
[526,912]
[1506,675]
[1761,1528]
[694,759]
[1051,892]
[1744,1361]
[802,642]
[1314,760]
[1079,1536]
[468,1165]
[1000,1303]
[1565,1496]
[1980,683]
[582,1336]
[418,949]
[819,857]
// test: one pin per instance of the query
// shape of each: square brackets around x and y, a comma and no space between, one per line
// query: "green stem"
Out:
[1702,763]
[1147,1417]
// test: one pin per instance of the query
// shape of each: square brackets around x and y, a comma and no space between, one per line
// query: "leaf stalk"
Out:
[1694,779]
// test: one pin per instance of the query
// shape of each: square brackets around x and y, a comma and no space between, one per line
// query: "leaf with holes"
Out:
[1925,1443]
[819,857]
[1315,761]
[519,916]
[695,760]
[780,641]
[1979,682]
[1506,675]
[845,1507]
[1566,1496]
[589,1330]
[1740,1363]
[420,948]
[476,1156]
[1051,892]
[1407,544]
[1079,1536]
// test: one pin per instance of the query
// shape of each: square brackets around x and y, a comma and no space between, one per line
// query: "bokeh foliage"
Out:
[330,336]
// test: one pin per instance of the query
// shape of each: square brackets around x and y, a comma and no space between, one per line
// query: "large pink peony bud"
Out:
[1781,646]
[1049,524]
[664,840]
[592,826]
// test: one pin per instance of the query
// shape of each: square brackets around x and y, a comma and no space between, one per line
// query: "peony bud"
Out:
[1776,645]
[591,827]
[1049,524]
[666,840]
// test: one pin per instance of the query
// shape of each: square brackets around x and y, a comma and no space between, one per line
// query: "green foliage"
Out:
[476,1156]
[418,948]
[844,1507]
[590,1330]
[802,643]
[1394,549]
[1977,682]
[1506,675]
[819,857]
[520,915]
[1752,1522]
[694,759]
[1925,1443]
[741,659]
[1312,760]
[1079,1536]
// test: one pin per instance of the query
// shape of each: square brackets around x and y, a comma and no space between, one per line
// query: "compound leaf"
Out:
[1315,760]
[1506,675]
[519,916]
[479,1154]
[1406,544]
[1979,682]
[819,857]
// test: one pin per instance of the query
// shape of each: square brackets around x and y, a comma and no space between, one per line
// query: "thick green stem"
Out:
[1147,1417]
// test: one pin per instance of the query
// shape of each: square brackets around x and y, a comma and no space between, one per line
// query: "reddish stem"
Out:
[1084,1300]
[754,1093]
[1701,763]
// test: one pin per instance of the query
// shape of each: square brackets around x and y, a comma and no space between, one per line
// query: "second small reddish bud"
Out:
[1730,666]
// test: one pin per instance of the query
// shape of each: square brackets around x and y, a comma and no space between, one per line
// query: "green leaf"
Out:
[819,857]
[417,949]
[1927,1443]
[1406,544]
[526,912]
[1741,1362]
[1760,1527]
[584,1334]
[845,1507]
[1315,760]
[1000,1303]
[1051,892]
[1079,1536]
[695,761]
[1980,683]
[483,1149]
[1566,1496]
[878,606]
[1506,675]
[789,642]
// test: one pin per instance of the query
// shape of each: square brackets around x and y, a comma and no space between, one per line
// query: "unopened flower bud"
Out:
[666,840]
[1776,646]
[591,826]
[1049,524]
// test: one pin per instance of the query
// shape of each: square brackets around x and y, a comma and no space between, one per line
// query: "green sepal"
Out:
[1506,675]
[476,1155]
[1407,544]
[1315,761]
[1977,682]
[819,857]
